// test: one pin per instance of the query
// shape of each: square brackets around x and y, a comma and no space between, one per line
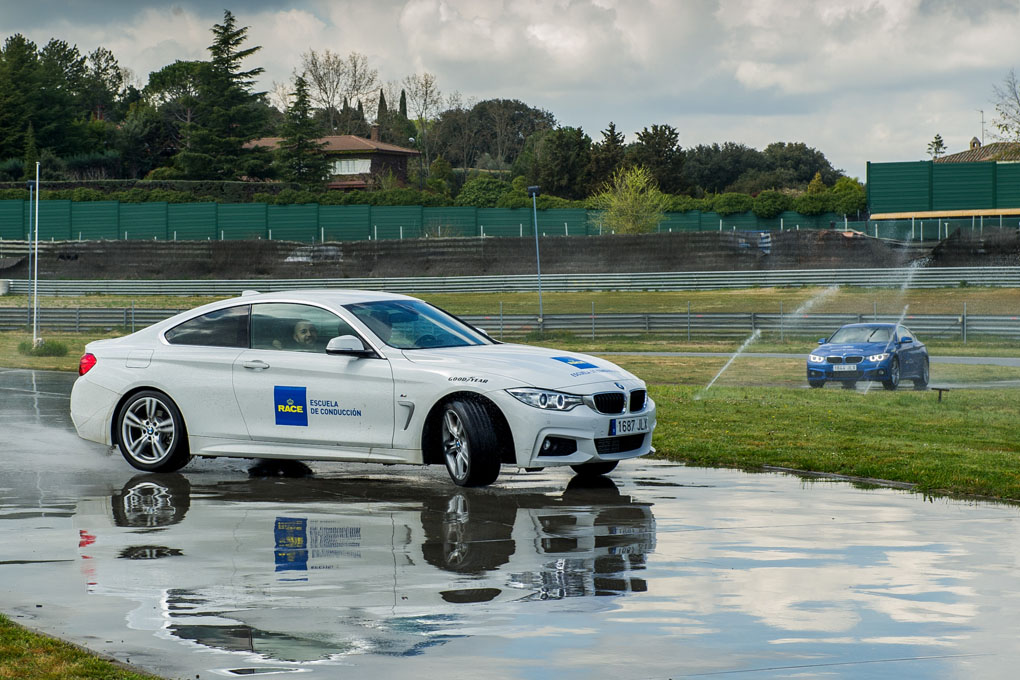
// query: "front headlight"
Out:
[546,399]
[879,357]
[815,359]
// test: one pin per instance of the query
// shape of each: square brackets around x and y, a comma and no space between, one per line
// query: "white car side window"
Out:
[295,327]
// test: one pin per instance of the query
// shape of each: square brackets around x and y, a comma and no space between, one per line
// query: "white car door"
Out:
[290,390]
[196,367]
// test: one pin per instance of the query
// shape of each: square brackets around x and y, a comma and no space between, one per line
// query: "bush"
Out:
[483,191]
[46,348]
[732,203]
[769,204]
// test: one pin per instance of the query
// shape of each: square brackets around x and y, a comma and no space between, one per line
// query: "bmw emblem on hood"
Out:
[620,386]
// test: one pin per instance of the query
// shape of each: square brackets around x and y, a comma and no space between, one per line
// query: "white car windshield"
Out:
[413,324]
[851,334]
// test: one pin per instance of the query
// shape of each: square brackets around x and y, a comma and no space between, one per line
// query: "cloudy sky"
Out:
[861,80]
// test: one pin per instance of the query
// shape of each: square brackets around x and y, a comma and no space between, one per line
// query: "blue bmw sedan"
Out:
[884,352]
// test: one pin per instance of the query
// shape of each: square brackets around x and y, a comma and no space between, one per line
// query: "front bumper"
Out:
[578,436]
[865,370]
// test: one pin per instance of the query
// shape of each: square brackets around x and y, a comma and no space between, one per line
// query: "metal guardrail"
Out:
[680,325]
[907,277]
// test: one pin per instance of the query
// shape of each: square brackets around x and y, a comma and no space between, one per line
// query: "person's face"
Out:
[305,333]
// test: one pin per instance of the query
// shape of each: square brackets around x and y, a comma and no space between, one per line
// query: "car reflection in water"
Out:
[297,570]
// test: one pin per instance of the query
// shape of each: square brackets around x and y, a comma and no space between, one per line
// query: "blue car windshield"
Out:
[413,324]
[857,334]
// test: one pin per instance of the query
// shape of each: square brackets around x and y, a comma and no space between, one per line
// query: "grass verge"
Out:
[968,443]
[24,654]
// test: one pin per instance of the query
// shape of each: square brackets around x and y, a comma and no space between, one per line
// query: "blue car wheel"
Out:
[921,382]
[894,375]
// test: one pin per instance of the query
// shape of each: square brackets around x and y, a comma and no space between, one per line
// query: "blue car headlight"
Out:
[815,359]
[879,357]
[546,399]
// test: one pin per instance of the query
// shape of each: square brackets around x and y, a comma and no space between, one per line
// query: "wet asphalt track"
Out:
[231,569]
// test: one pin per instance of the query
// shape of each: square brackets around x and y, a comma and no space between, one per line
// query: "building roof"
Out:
[996,151]
[344,144]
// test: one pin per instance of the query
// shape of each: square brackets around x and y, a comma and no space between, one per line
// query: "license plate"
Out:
[621,426]
[845,367]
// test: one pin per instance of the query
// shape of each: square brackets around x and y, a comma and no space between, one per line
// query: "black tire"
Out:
[849,384]
[151,433]
[815,384]
[469,444]
[594,469]
[894,375]
[921,382]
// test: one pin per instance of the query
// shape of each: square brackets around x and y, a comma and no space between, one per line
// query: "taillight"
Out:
[86,363]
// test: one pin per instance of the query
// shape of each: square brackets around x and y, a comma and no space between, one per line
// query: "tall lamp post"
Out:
[31,195]
[35,273]
[534,192]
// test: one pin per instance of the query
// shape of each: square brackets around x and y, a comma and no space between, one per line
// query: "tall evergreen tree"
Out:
[228,113]
[381,112]
[299,156]
[19,89]
[403,103]
[607,156]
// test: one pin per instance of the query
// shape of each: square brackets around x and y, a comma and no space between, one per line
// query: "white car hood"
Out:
[535,366]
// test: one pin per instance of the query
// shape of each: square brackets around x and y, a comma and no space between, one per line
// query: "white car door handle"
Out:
[256,365]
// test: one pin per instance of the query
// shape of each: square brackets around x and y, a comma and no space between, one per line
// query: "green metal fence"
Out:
[920,186]
[67,220]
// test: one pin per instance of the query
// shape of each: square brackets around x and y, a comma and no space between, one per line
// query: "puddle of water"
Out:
[663,571]
[710,571]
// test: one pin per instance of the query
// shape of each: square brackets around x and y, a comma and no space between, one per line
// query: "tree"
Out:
[402,108]
[381,112]
[607,156]
[325,74]
[800,160]
[936,147]
[456,132]
[174,92]
[849,196]
[631,202]
[558,160]
[228,113]
[715,168]
[505,124]
[816,185]
[658,149]
[31,154]
[423,98]
[299,155]
[102,83]
[19,88]
[1007,105]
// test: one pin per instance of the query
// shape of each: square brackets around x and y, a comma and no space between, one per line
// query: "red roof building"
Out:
[357,162]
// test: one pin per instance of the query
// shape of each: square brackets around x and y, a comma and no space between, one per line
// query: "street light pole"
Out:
[533,192]
[28,238]
[35,277]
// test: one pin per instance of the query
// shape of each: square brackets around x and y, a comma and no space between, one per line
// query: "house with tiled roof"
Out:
[996,151]
[357,162]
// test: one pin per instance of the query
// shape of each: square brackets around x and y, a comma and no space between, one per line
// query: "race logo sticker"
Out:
[575,362]
[290,405]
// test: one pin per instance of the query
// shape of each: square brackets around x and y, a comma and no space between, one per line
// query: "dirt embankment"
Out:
[678,251]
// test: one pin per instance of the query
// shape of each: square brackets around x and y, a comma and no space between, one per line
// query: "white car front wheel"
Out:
[469,443]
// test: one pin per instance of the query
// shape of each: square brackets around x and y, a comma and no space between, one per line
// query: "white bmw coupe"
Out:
[357,376]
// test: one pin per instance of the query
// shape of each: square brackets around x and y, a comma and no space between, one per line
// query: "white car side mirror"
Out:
[348,345]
